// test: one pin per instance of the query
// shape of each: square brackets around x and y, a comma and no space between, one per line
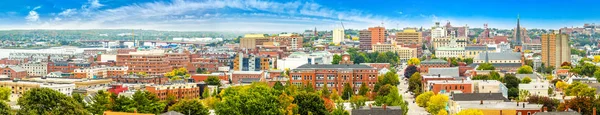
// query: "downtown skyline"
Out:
[290,16]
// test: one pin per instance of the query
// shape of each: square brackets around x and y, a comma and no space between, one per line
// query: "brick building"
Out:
[202,77]
[179,90]
[100,72]
[67,66]
[434,63]
[13,72]
[379,66]
[334,76]
[239,77]
[153,62]
[448,86]
[139,79]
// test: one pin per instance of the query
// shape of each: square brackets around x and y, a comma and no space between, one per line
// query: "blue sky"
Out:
[288,15]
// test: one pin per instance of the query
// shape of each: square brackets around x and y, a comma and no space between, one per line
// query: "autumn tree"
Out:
[525,70]
[414,61]
[424,98]
[363,90]
[335,95]
[177,74]
[437,103]
[470,112]
[414,83]
[5,93]
[190,107]
[357,101]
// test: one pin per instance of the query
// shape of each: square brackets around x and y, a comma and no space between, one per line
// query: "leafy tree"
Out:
[580,89]
[410,70]
[424,98]
[414,83]
[177,74]
[511,81]
[360,59]
[278,86]
[254,99]
[390,78]
[561,85]
[414,61]
[437,103]
[442,112]
[147,102]
[190,107]
[550,91]
[5,109]
[513,93]
[340,109]
[325,91]
[357,101]
[363,89]
[101,102]
[550,103]
[389,95]
[382,58]
[213,80]
[308,87]
[124,104]
[347,92]
[523,95]
[47,101]
[470,112]
[211,102]
[525,70]
[5,93]
[586,104]
[336,59]
[596,59]
[200,70]
[526,80]
[310,103]
[335,95]
[486,66]
[205,93]
[286,102]
[79,98]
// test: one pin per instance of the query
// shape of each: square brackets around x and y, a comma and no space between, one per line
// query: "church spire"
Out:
[518,32]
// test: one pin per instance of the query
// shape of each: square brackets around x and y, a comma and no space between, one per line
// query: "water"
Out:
[4,53]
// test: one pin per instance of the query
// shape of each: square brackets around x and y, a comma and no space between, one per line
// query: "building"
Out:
[438,31]
[555,49]
[338,35]
[153,62]
[381,110]
[296,59]
[202,77]
[13,72]
[409,36]
[135,79]
[244,62]
[498,108]
[20,87]
[474,51]
[508,61]
[250,41]
[247,77]
[404,53]
[290,41]
[94,51]
[97,72]
[36,69]
[378,35]
[433,63]
[67,66]
[536,88]
[334,76]
[365,40]
[178,90]
[449,86]
[378,66]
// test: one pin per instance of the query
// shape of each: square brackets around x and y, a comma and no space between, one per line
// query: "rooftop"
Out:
[500,105]
[479,48]
[499,56]
[449,71]
[334,66]
[434,61]
[478,97]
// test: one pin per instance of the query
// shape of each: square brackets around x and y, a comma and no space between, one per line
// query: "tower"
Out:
[518,36]
[346,59]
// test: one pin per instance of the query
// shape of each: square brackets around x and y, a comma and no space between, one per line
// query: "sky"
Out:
[291,15]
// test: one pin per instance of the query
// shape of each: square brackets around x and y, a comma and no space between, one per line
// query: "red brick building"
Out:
[6,61]
[379,66]
[202,77]
[13,72]
[179,91]
[66,66]
[239,77]
[434,63]
[457,86]
[152,62]
[138,79]
[334,76]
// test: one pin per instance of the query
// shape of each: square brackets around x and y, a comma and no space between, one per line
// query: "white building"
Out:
[438,31]
[297,59]
[100,71]
[338,35]
[536,88]
[20,87]
[36,69]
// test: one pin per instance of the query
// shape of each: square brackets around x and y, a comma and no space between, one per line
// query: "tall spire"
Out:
[518,32]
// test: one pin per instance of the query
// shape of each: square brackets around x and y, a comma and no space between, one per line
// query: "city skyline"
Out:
[291,16]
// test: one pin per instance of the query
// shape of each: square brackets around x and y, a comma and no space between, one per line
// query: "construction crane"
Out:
[344,29]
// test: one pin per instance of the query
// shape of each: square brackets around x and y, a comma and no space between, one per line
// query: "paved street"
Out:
[413,108]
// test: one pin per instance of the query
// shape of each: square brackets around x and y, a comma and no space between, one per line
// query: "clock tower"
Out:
[346,59]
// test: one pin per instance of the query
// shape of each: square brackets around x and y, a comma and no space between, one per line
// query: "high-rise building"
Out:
[378,35]
[438,31]
[251,40]
[409,36]
[338,35]
[365,40]
[555,49]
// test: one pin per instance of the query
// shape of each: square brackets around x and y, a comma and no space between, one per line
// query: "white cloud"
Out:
[33,16]
[67,12]
[95,4]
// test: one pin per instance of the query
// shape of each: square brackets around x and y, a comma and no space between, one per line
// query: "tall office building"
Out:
[555,49]
[378,35]
[338,35]
[365,40]
[409,36]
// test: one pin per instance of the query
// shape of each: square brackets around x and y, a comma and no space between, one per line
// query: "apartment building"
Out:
[432,63]
[334,76]
[97,72]
[20,87]
[67,66]
[135,79]
[247,77]
[378,35]
[404,53]
[365,42]
[13,72]
[153,62]
[409,36]
[178,90]
[338,35]
[36,69]
[244,62]
[555,49]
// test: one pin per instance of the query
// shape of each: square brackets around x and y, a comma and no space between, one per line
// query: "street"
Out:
[413,108]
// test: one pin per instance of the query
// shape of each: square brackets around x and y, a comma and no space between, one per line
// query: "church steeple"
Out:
[518,32]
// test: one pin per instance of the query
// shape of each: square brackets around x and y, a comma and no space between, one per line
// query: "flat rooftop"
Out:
[334,66]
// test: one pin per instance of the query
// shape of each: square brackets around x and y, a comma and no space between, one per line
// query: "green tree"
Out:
[437,103]
[390,78]
[310,103]
[525,70]
[470,112]
[414,83]
[278,86]
[254,99]
[391,98]
[335,95]
[147,102]
[363,90]
[124,104]
[526,80]
[382,58]
[205,93]
[357,101]
[580,89]
[213,80]
[511,81]
[347,92]
[308,87]
[101,102]
[424,98]
[336,59]
[79,98]
[414,61]
[486,66]
[190,107]
[325,91]
[177,74]
[44,101]
[495,76]
[340,109]
[5,93]
[5,109]
[523,95]
[513,93]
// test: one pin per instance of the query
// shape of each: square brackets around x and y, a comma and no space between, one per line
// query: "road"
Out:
[413,108]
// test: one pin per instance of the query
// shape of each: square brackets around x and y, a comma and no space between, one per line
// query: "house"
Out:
[382,110]
[536,88]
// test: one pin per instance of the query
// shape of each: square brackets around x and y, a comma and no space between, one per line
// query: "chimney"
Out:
[594,111]
[517,103]
[463,80]
[439,75]
[384,107]
[480,102]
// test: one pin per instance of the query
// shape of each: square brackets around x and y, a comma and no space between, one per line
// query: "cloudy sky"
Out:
[288,15]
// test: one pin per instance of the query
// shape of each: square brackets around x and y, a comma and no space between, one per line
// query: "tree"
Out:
[523,95]
[495,76]
[513,93]
[580,89]
[410,70]
[596,59]
[470,112]
[550,103]
[101,102]
[310,103]
[5,109]
[347,92]
[414,83]
[308,87]
[334,95]
[79,98]
[190,107]
[486,66]
[177,74]
[511,81]
[124,104]
[254,99]
[336,59]
[147,102]
[363,90]
[5,93]
[414,61]
[437,103]
[47,101]
[340,109]
[205,93]
[525,70]
[391,97]
[278,86]
[424,98]
[357,101]
[526,80]
[286,102]
[562,85]
[390,78]
[325,91]
[382,58]
[442,112]
[549,77]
